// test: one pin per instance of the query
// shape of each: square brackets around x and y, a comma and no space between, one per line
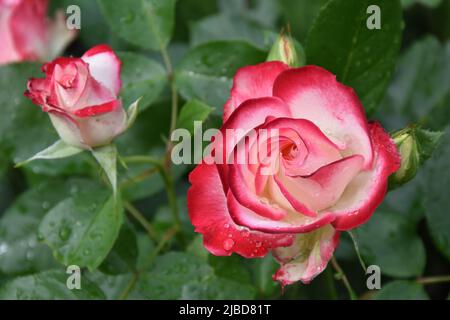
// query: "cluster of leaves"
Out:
[60,212]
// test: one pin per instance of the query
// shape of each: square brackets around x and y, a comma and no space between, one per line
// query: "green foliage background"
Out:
[59,212]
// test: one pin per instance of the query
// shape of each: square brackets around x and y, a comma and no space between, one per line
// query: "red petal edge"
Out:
[208,211]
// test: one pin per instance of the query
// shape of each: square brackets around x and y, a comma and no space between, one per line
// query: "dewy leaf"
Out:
[49,285]
[217,289]
[193,110]
[123,256]
[228,27]
[21,251]
[402,290]
[58,150]
[206,72]
[300,15]
[107,158]
[428,3]
[145,23]
[436,200]
[362,58]
[141,77]
[419,92]
[83,228]
[171,272]
[390,241]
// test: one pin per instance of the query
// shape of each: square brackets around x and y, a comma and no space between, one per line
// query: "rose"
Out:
[330,170]
[27,34]
[80,96]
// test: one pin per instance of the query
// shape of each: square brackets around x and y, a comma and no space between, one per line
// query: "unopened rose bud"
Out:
[81,97]
[286,49]
[415,145]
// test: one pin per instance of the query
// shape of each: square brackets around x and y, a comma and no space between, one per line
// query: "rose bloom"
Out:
[81,97]
[26,33]
[331,169]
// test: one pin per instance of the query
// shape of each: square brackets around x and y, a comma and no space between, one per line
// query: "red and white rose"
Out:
[331,170]
[81,97]
[26,34]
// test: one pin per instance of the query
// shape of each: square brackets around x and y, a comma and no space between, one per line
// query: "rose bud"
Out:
[80,96]
[330,170]
[27,35]
[415,146]
[286,49]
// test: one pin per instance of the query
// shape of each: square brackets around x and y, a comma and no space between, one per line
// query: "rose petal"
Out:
[104,67]
[252,82]
[67,129]
[307,257]
[98,109]
[320,150]
[313,93]
[248,197]
[323,188]
[293,222]
[207,207]
[101,129]
[368,189]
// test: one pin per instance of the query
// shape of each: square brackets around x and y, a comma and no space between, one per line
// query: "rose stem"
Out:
[139,216]
[355,244]
[341,273]
[434,280]
[164,240]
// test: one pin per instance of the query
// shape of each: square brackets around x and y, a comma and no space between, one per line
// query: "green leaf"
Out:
[82,229]
[58,150]
[193,110]
[141,77]
[49,285]
[262,271]
[107,158]
[171,272]
[113,285]
[402,290]
[197,248]
[145,23]
[145,251]
[419,92]
[13,80]
[428,3]
[217,289]
[361,58]
[228,27]
[20,248]
[231,268]
[300,15]
[206,72]
[436,199]
[390,241]
[123,256]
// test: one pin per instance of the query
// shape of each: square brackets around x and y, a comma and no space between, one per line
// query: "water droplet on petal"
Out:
[228,244]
